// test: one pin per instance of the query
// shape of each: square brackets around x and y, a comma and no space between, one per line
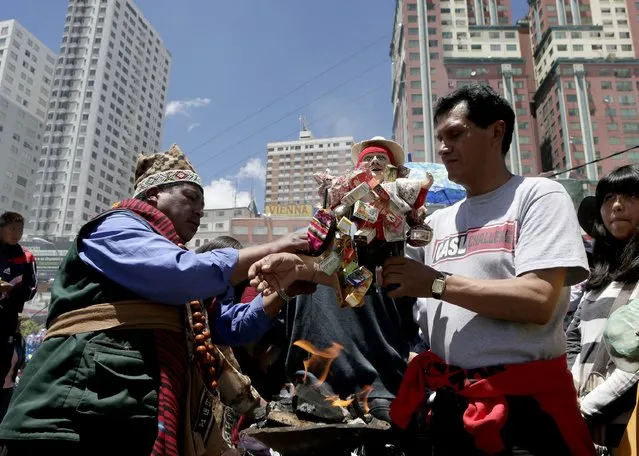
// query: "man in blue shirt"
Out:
[113,358]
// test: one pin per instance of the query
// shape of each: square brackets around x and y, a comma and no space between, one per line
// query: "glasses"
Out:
[382,158]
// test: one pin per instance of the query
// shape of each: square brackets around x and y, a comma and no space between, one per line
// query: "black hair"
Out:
[7,218]
[485,107]
[614,260]
[220,242]
[225,242]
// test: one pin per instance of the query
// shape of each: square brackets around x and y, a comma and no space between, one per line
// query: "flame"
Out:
[363,396]
[319,363]
[337,402]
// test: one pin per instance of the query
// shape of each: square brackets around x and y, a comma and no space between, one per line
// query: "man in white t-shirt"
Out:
[489,287]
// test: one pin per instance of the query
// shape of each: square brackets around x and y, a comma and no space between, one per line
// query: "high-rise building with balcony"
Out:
[26,76]
[106,107]
[290,166]
[587,73]
[438,46]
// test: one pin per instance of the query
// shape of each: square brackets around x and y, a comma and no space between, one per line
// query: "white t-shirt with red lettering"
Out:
[527,224]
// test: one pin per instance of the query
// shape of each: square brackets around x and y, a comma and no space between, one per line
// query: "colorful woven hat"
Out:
[162,169]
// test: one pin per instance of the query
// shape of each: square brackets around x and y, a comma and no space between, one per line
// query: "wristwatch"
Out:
[439,285]
[285,297]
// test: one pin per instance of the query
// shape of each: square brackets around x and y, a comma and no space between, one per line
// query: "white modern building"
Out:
[290,166]
[26,75]
[107,106]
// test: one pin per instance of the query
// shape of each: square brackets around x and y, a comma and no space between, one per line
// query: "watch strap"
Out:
[441,276]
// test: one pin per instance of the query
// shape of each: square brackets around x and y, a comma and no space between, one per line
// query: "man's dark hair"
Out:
[485,107]
[7,218]
[220,242]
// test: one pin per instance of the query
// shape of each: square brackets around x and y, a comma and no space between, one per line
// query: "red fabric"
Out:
[376,149]
[25,258]
[250,293]
[548,381]
[171,349]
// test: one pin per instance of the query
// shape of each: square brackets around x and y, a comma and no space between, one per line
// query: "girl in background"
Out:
[607,394]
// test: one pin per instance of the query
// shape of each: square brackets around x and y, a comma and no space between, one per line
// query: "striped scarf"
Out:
[171,348]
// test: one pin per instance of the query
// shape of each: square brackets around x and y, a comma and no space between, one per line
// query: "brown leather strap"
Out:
[119,315]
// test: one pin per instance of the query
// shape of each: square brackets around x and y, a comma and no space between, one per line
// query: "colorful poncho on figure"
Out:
[366,208]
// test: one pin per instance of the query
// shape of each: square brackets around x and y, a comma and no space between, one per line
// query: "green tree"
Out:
[28,326]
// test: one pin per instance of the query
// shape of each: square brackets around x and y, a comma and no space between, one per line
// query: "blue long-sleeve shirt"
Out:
[126,250]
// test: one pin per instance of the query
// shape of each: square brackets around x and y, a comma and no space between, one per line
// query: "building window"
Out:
[280,230]
[240,230]
[624,86]
[631,127]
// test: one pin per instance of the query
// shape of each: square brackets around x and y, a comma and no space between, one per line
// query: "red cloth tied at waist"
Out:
[549,382]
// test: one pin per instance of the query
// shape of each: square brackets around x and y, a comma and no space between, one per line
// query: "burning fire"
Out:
[337,402]
[362,395]
[319,363]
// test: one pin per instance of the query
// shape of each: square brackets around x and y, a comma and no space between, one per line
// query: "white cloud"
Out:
[221,193]
[253,169]
[192,127]
[183,106]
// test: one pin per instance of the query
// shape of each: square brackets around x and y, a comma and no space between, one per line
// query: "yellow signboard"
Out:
[289,210]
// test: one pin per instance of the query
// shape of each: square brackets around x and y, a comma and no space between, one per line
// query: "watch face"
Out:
[438,286]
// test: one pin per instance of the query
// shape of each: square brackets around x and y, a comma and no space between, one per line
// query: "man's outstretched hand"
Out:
[276,272]
[293,243]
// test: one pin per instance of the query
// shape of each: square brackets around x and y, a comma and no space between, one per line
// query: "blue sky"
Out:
[230,59]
